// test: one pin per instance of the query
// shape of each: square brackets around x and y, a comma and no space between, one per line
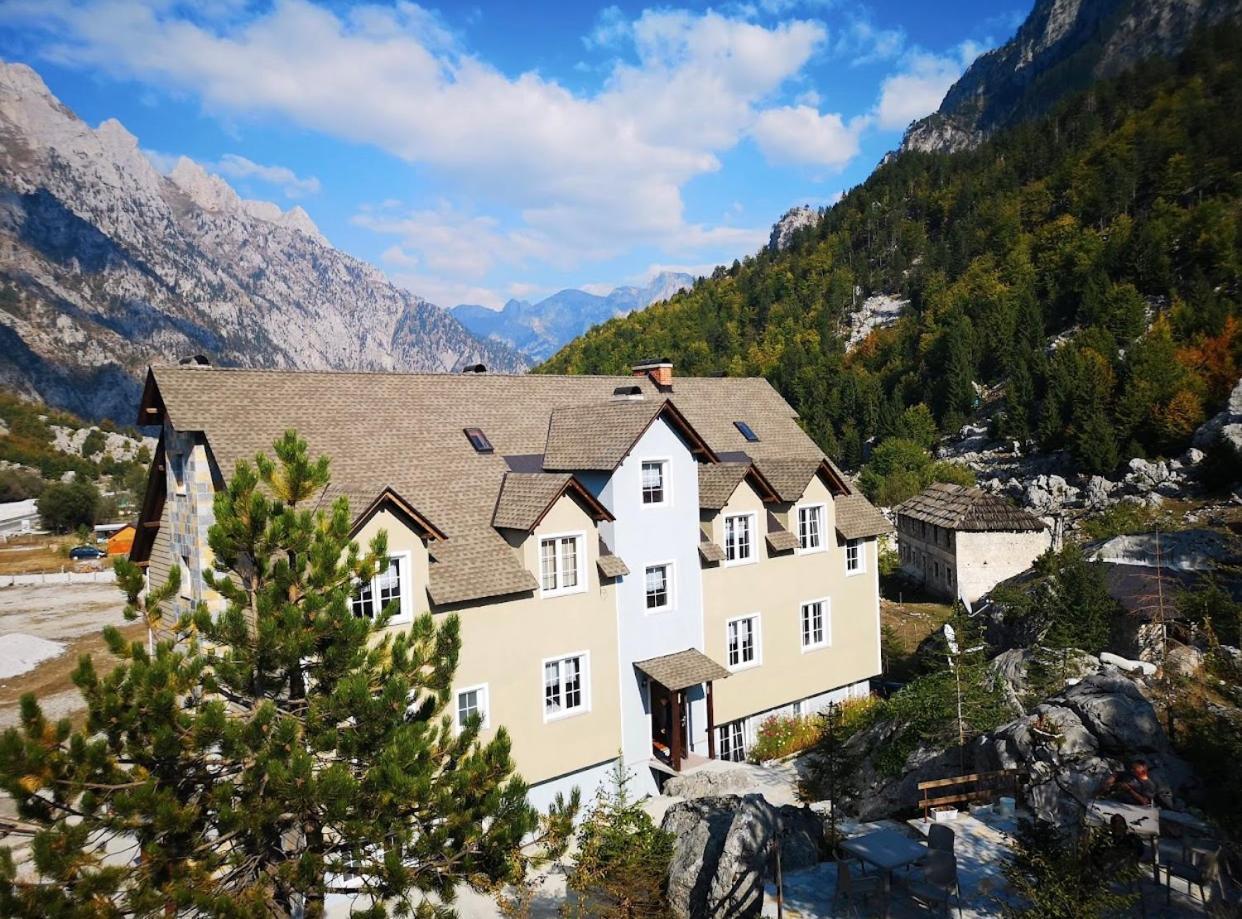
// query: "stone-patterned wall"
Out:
[190,516]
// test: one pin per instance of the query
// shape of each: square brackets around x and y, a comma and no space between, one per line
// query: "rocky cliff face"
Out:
[1061,48]
[106,265]
[539,330]
[790,223]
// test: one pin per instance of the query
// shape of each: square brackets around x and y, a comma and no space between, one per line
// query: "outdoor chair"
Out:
[940,838]
[938,885]
[1201,869]
[854,889]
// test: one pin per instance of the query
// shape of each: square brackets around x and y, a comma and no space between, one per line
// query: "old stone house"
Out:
[960,542]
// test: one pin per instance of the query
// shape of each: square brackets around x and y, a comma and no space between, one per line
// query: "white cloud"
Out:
[591,172]
[919,87]
[802,136]
[238,167]
[611,28]
[864,42]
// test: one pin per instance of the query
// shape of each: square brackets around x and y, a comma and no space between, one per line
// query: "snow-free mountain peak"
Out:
[107,265]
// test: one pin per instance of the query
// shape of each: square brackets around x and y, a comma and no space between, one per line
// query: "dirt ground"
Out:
[73,615]
[908,623]
[39,554]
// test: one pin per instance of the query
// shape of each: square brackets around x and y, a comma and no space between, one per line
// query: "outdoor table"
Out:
[887,850]
[1143,821]
[1184,821]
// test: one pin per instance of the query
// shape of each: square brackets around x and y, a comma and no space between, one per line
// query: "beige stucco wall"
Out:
[504,644]
[775,587]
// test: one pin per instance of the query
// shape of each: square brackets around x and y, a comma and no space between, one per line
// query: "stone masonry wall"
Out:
[986,559]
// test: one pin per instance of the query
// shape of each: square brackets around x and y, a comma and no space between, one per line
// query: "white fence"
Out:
[105,576]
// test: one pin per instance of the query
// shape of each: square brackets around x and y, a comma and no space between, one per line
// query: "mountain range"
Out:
[539,330]
[106,265]
[1062,47]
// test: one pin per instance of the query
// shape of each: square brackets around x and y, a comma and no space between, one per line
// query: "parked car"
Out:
[83,553]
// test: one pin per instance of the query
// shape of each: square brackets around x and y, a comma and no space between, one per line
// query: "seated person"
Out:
[1132,785]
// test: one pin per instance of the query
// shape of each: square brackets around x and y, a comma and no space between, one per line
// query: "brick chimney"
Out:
[660,370]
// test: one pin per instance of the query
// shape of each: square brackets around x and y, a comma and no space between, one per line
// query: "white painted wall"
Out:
[986,559]
[644,535]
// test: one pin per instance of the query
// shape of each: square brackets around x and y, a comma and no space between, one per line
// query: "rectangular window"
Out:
[732,742]
[811,527]
[739,538]
[563,686]
[472,703]
[176,462]
[815,625]
[746,431]
[653,481]
[388,586]
[478,440]
[186,587]
[854,557]
[560,560]
[743,641]
[659,595]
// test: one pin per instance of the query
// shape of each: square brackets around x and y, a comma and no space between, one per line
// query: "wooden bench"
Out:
[976,788]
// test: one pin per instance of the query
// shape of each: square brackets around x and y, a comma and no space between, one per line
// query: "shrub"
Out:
[67,505]
[20,484]
[1055,876]
[781,735]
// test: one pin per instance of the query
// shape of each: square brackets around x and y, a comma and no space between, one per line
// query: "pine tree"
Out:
[621,867]
[266,757]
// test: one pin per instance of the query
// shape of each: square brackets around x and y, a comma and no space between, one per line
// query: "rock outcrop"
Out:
[1061,48]
[723,850]
[1068,745]
[793,220]
[107,265]
[1226,424]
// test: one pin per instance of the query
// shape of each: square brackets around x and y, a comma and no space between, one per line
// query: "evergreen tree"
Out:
[273,754]
[621,867]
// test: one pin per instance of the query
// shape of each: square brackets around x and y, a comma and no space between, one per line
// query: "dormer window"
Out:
[746,431]
[654,481]
[389,586]
[478,440]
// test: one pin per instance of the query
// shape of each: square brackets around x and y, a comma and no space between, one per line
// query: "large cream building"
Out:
[644,567]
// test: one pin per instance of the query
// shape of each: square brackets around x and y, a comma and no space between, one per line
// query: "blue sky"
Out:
[482,151]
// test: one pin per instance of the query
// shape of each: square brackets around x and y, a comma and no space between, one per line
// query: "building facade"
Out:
[961,542]
[643,567]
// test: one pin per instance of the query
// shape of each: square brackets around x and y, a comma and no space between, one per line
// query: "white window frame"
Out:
[559,591]
[826,611]
[584,676]
[756,638]
[406,613]
[754,540]
[484,706]
[669,582]
[822,510]
[666,466]
[861,545]
[731,737]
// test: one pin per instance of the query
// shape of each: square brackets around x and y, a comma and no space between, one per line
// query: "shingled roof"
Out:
[525,497]
[958,507]
[858,518]
[718,482]
[598,436]
[405,432]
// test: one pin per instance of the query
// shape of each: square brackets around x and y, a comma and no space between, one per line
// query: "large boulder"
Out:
[723,848]
[706,783]
[1226,424]
[1069,744]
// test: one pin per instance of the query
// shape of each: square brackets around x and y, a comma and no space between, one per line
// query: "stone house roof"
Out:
[965,509]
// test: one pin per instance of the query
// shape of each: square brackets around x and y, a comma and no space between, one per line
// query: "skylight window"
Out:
[750,435]
[478,440]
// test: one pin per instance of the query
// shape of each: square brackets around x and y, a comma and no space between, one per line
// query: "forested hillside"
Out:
[1085,264]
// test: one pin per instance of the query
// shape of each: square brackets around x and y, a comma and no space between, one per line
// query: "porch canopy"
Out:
[682,670]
